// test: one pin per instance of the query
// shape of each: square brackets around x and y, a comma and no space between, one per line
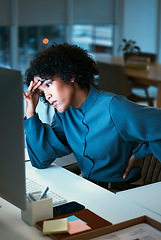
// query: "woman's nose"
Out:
[47,96]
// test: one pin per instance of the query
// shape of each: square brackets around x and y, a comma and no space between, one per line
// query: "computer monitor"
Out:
[12,162]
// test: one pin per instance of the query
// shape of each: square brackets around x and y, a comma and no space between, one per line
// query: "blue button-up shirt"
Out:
[102,134]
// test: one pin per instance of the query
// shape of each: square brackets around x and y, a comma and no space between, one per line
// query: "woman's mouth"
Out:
[54,103]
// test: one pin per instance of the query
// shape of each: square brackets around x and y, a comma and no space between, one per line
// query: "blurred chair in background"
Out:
[153,58]
[112,78]
[151,171]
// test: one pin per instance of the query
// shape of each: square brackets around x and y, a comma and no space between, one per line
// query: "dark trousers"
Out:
[120,186]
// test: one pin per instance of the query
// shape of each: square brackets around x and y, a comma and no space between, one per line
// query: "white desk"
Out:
[148,196]
[108,205]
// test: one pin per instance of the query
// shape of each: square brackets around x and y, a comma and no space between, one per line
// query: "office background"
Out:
[98,26]
[95,25]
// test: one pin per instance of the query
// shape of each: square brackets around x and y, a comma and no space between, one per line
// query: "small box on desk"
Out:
[37,211]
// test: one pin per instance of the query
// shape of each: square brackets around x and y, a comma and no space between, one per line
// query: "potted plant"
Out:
[129,48]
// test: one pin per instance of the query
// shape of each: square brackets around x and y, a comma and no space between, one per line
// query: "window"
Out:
[34,39]
[5,46]
[93,38]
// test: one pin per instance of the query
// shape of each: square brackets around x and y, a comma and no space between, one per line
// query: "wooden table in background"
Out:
[150,77]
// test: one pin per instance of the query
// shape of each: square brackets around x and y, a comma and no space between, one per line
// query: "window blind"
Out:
[53,12]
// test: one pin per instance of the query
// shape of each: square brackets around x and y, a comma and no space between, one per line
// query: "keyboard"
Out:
[33,187]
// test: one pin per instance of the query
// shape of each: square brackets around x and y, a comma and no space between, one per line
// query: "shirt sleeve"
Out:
[43,143]
[135,122]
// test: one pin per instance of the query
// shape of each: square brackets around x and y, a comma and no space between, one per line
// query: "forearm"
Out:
[42,143]
[36,160]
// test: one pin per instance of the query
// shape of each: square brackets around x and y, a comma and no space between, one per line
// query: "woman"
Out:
[100,128]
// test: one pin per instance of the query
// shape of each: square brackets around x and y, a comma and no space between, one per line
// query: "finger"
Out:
[133,162]
[32,87]
[36,85]
[126,173]
[129,166]
[29,90]
[24,94]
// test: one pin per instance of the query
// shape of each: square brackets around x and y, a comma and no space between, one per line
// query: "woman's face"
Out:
[58,93]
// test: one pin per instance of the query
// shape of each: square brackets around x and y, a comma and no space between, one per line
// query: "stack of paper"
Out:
[55,226]
[137,62]
[72,225]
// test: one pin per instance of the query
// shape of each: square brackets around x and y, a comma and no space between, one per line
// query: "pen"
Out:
[43,193]
[30,197]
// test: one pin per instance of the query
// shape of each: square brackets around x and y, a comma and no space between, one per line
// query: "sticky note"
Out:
[77,226]
[55,226]
[73,218]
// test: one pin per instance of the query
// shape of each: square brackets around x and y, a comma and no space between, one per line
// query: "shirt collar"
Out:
[90,100]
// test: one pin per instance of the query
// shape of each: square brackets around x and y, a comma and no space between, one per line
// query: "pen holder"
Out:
[37,211]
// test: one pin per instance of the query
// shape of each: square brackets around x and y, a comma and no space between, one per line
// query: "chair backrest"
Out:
[112,78]
[151,170]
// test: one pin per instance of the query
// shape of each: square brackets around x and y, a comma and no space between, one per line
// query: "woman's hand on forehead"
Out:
[38,82]
[39,79]
[32,88]
[32,98]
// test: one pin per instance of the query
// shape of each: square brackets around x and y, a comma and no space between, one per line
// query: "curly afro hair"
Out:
[67,61]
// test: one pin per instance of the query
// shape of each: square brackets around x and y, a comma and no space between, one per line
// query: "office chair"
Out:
[151,171]
[74,168]
[153,58]
[112,78]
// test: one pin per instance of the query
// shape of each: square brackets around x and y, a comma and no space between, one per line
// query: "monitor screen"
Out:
[12,162]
